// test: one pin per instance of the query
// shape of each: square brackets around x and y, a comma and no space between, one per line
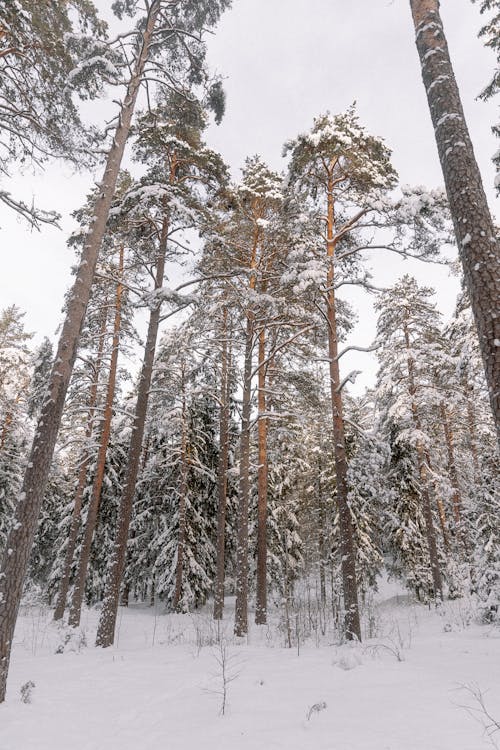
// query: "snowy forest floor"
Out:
[159,687]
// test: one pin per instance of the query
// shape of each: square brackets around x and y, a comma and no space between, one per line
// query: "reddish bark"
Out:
[261,603]
[82,475]
[347,545]
[107,621]
[95,498]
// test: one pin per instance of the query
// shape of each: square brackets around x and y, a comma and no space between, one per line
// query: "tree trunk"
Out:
[181,542]
[95,498]
[452,468]
[424,479]
[261,603]
[241,610]
[471,423]
[20,539]
[225,388]
[477,242]
[321,537]
[82,475]
[347,546]
[107,621]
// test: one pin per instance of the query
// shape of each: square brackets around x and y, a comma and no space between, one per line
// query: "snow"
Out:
[158,687]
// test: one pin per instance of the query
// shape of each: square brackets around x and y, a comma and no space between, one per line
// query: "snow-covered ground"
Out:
[160,687]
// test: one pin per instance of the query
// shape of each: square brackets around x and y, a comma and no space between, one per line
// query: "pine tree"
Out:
[47,55]
[474,230]
[335,160]
[170,197]
[406,332]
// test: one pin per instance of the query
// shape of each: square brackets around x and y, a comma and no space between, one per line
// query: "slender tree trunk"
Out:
[442,523]
[471,423]
[20,539]
[222,472]
[425,480]
[475,233]
[452,468]
[95,498]
[321,537]
[82,475]
[261,604]
[347,545]
[107,621]
[181,542]
[241,610]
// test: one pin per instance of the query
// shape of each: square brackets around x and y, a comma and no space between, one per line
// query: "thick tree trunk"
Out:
[222,472]
[82,475]
[20,540]
[107,621]
[425,480]
[347,545]
[241,610]
[261,603]
[181,542]
[477,242]
[95,498]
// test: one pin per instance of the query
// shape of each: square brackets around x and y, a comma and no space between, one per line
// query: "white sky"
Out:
[285,63]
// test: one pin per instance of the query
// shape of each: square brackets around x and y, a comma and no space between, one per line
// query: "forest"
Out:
[215,531]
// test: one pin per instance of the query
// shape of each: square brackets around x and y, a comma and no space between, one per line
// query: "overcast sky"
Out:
[284,63]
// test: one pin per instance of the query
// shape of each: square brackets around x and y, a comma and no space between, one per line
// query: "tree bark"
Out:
[241,609]
[20,539]
[261,603]
[222,473]
[95,498]
[107,621]
[477,242]
[452,468]
[321,537]
[82,475]
[347,545]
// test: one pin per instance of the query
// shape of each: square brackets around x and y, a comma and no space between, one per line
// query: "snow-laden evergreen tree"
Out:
[407,329]
[343,175]
[485,516]
[287,467]
[42,366]
[490,33]
[404,531]
[175,511]
[367,490]
[15,373]
[48,54]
